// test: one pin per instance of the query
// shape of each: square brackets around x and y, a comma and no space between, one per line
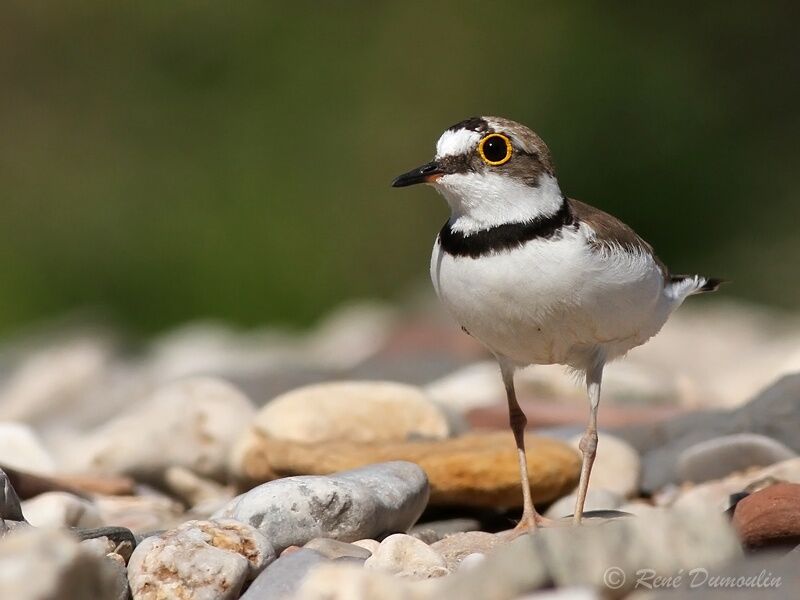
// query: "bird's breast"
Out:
[542,301]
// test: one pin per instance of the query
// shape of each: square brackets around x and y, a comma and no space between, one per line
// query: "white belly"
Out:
[554,301]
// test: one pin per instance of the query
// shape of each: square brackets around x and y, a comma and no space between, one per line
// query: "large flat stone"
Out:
[477,469]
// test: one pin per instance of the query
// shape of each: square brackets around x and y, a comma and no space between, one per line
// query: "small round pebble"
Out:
[406,556]
[470,561]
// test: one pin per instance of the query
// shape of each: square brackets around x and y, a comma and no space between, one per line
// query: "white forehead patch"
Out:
[455,143]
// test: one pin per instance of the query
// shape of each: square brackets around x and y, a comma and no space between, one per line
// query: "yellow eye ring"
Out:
[495,154]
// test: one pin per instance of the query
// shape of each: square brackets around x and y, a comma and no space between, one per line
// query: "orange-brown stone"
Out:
[476,469]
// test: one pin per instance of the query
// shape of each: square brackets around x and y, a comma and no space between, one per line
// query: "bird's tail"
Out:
[681,286]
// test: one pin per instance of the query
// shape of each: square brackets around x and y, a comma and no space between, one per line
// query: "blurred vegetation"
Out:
[186,159]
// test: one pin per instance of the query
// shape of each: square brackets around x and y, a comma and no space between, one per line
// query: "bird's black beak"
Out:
[424,174]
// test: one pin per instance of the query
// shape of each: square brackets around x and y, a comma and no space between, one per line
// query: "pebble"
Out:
[140,513]
[103,546]
[368,544]
[350,334]
[281,579]
[45,563]
[334,549]
[20,448]
[617,466]
[191,423]
[433,531]
[474,386]
[362,503]
[9,502]
[51,384]
[716,494]
[476,469]
[406,556]
[193,489]
[770,517]
[119,539]
[200,560]
[472,560]
[721,456]
[456,547]
[596,499]
[360,411]
[332,581]
[61,509]
[580,556]
[773,413]
[262,363]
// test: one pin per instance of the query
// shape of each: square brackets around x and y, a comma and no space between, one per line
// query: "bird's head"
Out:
[491,171]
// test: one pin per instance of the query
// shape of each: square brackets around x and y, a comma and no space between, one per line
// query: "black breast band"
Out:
[506,236]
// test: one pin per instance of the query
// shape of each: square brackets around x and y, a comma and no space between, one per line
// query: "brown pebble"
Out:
[474,469]
[769,517]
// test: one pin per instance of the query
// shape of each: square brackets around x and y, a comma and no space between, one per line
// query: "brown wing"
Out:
[610,231]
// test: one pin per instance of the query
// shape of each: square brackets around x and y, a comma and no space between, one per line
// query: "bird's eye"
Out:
[495,149]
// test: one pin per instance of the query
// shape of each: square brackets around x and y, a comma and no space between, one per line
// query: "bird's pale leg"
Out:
[530,518]
[588,444]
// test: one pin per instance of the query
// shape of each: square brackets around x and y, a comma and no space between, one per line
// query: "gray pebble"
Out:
[433,531]
[721,456]
[282,578]
[362,503]
[335,549]
[774,413]
[580,556]
[9,502]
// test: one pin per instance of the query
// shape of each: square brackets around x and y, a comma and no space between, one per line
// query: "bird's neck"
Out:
[479,203]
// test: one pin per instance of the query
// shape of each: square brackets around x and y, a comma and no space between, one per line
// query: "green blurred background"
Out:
[172,160]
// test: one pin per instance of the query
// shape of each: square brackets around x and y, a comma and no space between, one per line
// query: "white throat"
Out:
[483,200]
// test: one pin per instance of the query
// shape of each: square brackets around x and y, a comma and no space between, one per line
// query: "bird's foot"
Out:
[529,524]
